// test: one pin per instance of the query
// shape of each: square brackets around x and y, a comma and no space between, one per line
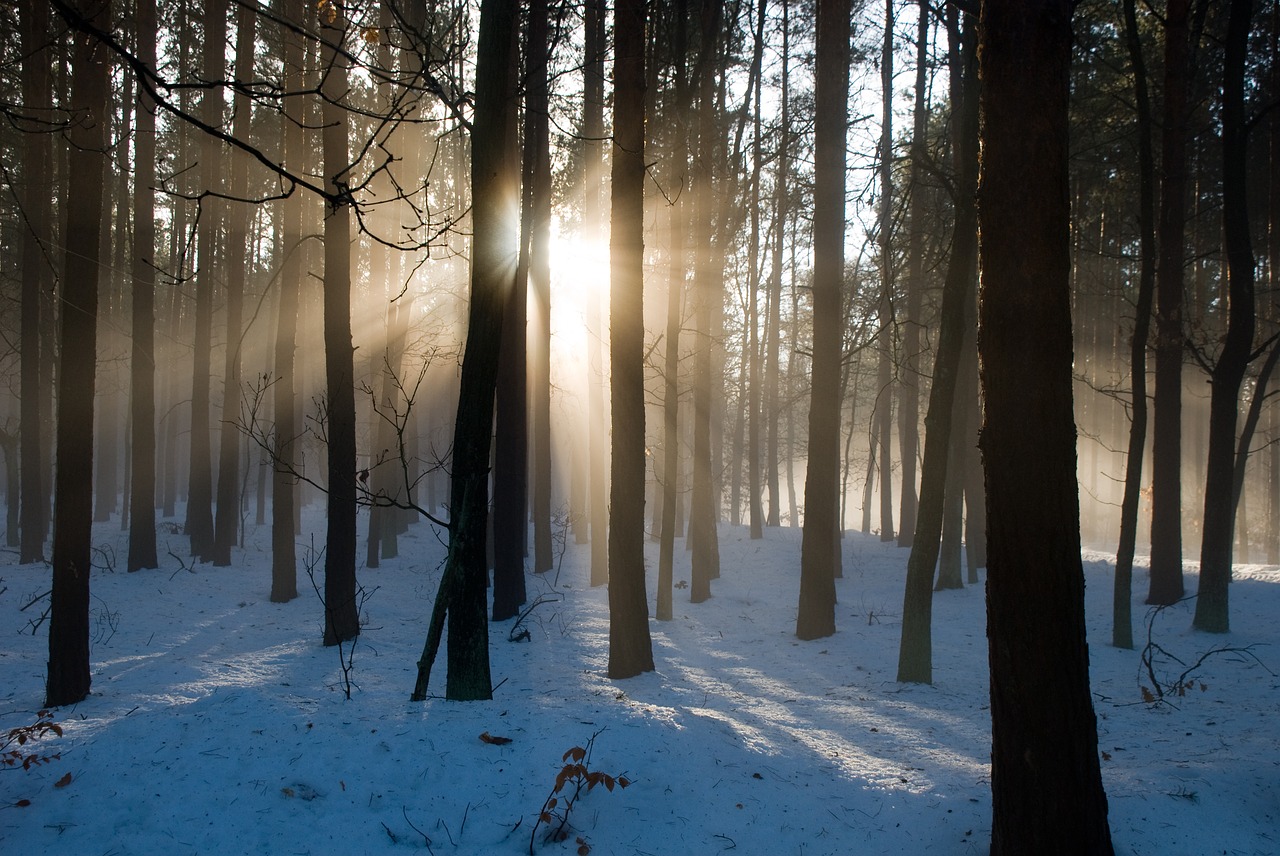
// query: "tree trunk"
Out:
[884,374]
[773,328]
[915,653]
[540,284]
[227,522]
[342,619]
[36,280]
[675,316]
[494,204]
[199,521]
[630,649]
[909,384]
[511,440]
[142,497]
[68,675]
[1166,462]
[1219,491]
[816,617]
[1122,607]
[1046,784]
[704,499]
[592,214]
[284,489]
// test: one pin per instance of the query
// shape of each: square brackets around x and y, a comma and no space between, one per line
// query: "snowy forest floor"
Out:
[218,723]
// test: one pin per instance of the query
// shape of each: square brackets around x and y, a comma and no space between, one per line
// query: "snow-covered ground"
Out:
[218,723]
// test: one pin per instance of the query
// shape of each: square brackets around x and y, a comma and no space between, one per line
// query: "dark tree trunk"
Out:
[538,130]
[199,521]
[342,619]
[1166,462]
[1219,490]
[816,617]
[704,498]
[675,315]
[915,653]
[68,676]
[511,443]
[493,268]
[1046,784]
[227,521]
[592,212]
[284,488]
[630,649]
[1122,607]
[883,413]
[142,496]
[909,385]
[36,280]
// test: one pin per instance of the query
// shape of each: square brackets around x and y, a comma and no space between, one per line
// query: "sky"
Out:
[218,723]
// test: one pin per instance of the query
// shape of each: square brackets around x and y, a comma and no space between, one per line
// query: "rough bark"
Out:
[68,676]
[816,617]
[341,612]
[494,204]
[1046,783]
[630,648]
[1212,613]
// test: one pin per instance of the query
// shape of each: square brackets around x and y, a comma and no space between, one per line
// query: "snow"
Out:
[218,724]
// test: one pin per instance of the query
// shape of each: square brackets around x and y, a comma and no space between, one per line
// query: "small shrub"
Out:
[22,756]
[575,779]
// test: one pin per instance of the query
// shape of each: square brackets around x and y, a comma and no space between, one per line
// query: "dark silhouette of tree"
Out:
[68,677]
[909,383]
[36,279]
[1212,612]
[142,499]
[227,520]
[341,614]
[538,142]
[1122,619]
[284,491]
[461,597]
[1046,783]
[816,616]
[1166,449]
[199,517]
[592,212]
[915,652]
[708,281]
[630,649]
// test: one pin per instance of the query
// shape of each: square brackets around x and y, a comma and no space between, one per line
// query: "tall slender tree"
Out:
[341,611]
[36,278]
[199,519]
[226,522]
[630,648]
[592,214]
[1122,608]
[1046,781]
[816,617]
[284,490]
[142,361]
[1166,449]
[883,413]
[1212,612]
[68,677]
[494,204]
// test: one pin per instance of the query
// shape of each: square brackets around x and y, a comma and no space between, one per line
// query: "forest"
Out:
[979,288]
